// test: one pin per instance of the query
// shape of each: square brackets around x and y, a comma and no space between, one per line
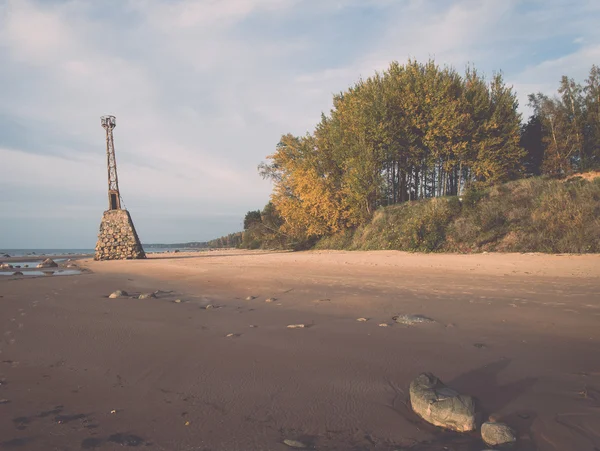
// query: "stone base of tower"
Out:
[118,239]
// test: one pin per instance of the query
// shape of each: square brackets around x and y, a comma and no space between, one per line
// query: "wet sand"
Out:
[81,371]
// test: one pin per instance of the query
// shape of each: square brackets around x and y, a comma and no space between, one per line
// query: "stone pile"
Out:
[118,239]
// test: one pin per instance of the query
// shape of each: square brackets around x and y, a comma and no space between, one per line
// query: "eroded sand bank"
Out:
[79,370]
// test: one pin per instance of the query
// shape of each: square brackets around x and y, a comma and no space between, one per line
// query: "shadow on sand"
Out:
[482,383]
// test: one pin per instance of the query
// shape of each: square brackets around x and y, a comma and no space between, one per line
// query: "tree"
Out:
[532,142]
[251,218]
[500,154]
[558,144]
[591,127]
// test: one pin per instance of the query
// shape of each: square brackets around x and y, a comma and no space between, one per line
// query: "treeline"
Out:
[412,132]
[227,241]
[418,131]
[189,245]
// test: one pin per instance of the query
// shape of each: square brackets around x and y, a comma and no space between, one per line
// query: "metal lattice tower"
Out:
[114,197]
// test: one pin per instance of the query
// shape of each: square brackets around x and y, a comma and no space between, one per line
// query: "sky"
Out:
[202,90]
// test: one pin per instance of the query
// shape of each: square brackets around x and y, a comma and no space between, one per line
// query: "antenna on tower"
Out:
[114,197]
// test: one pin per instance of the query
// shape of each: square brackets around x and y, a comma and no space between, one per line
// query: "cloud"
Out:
[203,89]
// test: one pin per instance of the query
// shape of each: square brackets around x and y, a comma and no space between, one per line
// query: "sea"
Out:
[66,252]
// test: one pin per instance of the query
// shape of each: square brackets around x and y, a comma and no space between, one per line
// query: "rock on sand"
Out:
[440,405]
[409,320]
[495,434]
[146,296]
[118,294]
[48,263]
[294,443]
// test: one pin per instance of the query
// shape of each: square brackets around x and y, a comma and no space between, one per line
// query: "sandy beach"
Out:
[81,371]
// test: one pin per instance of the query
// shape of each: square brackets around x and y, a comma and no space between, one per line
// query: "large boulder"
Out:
[497,434]
[48,263]
[442,406]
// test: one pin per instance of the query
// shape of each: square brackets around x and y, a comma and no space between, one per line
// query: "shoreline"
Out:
[33,258]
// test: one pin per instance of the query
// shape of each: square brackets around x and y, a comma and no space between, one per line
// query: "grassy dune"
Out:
[530,215]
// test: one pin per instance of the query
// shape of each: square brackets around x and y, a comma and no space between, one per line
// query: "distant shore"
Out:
[209,361]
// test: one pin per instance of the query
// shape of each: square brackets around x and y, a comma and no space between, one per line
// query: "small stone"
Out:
[17,273]
[296,326]
[4,401]
[249,298]
[294,443]
[6,266]
[480,345]
[177,301]
[253,326]
[25,266]
[383,325]
[362,320]
[118,294]
[208,307]
[146,296]
[230,335]
[495,434]
[409,320]
[48,263]
[270,300]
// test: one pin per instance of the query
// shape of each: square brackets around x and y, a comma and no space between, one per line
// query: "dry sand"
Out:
[81,371]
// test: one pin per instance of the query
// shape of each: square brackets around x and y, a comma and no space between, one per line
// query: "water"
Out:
[31,263]
[67,252]
[42,252]
[39,272]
